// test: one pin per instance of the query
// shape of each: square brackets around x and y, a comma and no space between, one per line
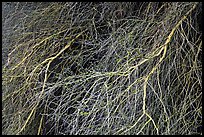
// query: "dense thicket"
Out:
[102,68]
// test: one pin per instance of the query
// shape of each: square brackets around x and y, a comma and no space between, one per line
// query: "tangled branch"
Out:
[102,68]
